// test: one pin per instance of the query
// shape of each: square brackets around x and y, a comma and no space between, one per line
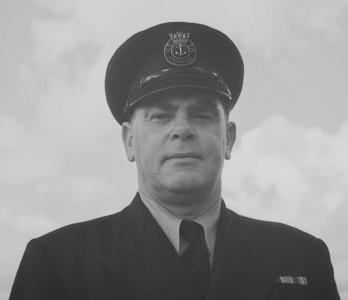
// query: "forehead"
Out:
[196,99]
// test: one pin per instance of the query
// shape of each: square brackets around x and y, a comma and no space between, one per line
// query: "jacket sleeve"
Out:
[322,283]
[35,278]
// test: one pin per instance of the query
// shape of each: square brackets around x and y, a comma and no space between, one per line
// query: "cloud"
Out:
[271,26]
[265,26]
[289,173]
[280,163]
[60,153]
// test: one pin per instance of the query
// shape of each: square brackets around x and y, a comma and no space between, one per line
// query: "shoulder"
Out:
[97,236]
[300,251]
[275,236]
[83,237]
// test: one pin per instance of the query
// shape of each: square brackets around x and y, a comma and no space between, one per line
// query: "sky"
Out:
[61,156]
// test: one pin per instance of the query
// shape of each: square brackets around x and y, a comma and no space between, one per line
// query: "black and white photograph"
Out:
[174,150]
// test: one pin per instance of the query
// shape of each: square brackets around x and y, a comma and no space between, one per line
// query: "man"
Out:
[171,87]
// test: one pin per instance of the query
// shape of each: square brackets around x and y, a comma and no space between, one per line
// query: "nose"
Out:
[182,130]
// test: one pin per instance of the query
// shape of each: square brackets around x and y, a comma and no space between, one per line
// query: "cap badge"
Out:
[180,50]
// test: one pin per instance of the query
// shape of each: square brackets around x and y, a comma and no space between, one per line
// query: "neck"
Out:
[184,205]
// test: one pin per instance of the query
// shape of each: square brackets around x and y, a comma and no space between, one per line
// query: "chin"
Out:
[186,184]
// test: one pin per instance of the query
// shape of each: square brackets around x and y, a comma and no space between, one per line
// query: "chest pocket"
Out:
[289,292]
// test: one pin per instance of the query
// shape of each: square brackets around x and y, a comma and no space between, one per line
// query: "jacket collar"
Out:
[243,268]
[143,261]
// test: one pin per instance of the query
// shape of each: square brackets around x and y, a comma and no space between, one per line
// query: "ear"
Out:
[230,138]
[128,140]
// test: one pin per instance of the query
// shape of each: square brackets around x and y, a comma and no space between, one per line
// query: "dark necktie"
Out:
[196,256]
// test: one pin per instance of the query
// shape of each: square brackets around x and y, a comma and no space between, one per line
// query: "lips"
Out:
[183,155]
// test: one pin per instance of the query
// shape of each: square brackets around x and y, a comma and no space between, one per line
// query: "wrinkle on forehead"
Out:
[193,100]
[172,104]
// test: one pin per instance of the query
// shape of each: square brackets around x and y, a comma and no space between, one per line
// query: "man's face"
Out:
[179,142]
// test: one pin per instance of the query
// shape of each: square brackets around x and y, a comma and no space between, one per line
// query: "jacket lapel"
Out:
[144,263]
[241,269]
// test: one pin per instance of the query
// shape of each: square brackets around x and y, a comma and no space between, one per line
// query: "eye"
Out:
[204,116]
[160,116]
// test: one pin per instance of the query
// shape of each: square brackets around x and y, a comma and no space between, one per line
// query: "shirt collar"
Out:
[170,223]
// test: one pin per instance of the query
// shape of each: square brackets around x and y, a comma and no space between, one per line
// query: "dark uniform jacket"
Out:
[127,256]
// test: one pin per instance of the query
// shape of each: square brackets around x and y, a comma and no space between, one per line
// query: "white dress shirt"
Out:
[170,224]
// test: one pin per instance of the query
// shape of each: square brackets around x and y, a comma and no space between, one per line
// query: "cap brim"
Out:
[177,79]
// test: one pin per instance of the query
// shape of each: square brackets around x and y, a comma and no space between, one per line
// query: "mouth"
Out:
[188,155]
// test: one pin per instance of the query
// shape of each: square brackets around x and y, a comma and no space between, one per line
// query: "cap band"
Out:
[201,70]
[170,78]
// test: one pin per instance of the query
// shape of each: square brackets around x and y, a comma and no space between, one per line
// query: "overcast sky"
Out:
[61,156]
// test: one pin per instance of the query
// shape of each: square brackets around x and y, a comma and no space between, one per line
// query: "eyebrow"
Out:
[161,105]
[157,104]
[207,104]
[199,105]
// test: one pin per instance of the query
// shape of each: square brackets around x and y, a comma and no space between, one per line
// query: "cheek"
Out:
[215,145]
[147,149]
